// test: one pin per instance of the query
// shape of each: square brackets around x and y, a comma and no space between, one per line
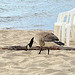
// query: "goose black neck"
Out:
[31,42]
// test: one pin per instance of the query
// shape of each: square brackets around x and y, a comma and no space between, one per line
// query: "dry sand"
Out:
[30,62]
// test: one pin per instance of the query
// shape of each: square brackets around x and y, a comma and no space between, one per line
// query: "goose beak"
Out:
[26,48]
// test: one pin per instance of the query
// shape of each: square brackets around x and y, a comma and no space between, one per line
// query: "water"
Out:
[32,14]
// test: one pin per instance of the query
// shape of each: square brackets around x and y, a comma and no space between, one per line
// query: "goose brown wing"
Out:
[50,37]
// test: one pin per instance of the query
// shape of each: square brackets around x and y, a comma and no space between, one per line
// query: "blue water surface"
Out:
[32,14]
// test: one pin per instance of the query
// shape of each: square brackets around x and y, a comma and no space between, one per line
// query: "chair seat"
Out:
[60,24]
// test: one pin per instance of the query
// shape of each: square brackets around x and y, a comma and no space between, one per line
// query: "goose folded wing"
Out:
[50,38]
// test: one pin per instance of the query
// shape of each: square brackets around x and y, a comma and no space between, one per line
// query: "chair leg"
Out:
[72,32]
[57,30]
[63,33]
[68,35]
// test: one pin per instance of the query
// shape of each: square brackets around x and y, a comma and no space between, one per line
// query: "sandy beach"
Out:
[29,62]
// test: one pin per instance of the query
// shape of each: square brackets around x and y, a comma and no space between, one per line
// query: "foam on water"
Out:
[32,14]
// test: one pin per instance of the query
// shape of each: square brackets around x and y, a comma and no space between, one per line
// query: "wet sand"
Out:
[30,62]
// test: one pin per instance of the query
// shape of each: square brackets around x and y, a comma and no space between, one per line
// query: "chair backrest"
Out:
[71,19]
[60,18]
[73,22]
[68,18]
[63,18]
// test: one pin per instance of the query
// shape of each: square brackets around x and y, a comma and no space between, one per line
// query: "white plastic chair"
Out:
[66,26]
[58,24]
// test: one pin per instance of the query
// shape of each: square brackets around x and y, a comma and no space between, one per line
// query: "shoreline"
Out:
[26,29]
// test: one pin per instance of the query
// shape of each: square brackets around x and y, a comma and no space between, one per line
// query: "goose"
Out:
[43,37]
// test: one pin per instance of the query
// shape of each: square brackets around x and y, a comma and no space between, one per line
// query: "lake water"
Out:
[32,14]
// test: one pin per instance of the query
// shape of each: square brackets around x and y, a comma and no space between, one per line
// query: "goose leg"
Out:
[48,51]
[40,50]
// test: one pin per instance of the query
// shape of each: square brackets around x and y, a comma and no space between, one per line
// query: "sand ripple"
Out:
[20,63]
[30,62]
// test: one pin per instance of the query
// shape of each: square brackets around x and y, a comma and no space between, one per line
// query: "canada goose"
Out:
[43,37]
